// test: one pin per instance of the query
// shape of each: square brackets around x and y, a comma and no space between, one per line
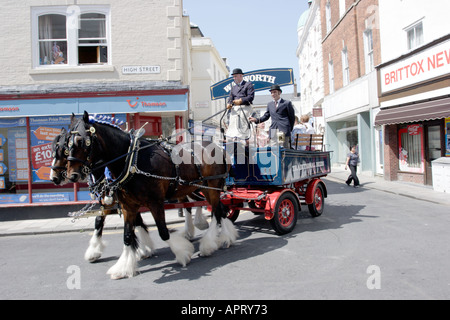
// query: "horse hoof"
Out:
[125,266]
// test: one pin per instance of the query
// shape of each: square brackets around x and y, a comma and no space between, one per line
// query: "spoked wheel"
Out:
[286,213]
[316,208]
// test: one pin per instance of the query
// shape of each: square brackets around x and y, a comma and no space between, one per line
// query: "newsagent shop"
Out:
[415,112]
[29,123]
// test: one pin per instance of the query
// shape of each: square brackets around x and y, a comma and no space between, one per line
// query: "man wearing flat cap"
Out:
[239,104]
[282,114]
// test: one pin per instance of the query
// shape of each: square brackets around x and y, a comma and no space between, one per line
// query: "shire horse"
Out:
[58,175]
[146,176]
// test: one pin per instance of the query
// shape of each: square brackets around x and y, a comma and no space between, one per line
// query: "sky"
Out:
[251,34]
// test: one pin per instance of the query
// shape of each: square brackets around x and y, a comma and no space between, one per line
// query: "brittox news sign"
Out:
[261,79]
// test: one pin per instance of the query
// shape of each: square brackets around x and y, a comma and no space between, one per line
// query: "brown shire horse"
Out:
[58,176]
[145,177]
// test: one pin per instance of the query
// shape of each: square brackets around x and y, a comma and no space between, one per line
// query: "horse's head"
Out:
[79,144]
[60,152]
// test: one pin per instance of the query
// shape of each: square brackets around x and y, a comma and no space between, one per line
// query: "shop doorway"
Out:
[434,137]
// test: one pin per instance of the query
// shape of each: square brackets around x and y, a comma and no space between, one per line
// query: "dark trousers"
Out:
[352,176]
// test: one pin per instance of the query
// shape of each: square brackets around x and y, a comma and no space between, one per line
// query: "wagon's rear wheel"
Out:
[316,208]
[286,213]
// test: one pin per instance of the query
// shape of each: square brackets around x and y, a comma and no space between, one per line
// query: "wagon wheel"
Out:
[316,208]
[285,214]
[232,213]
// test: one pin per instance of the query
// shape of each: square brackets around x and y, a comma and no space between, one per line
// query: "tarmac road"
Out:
[368,244]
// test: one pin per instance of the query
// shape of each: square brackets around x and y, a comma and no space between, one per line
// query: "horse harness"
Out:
[108,187]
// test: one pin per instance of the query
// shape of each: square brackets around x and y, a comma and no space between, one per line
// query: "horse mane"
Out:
[108,120]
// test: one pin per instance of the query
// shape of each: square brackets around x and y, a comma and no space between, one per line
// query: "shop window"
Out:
[72,35]
[410,141]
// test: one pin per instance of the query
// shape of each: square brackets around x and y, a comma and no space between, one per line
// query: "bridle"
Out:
[79,137]
[60,153]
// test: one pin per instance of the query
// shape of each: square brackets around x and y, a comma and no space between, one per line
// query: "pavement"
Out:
[114,221]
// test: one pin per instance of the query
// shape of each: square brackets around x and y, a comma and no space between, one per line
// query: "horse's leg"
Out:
[189,229]
[200,219]
[215,237]
[125,267]
[96,245]
[181,248]
[145,243]
[228,232]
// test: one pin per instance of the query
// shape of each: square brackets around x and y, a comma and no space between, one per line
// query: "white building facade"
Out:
[310,60]
[208,67]
[130,59]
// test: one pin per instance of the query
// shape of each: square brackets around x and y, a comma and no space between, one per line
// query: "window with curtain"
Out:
[57,40]
[411,148]
[52,39]
[415,36]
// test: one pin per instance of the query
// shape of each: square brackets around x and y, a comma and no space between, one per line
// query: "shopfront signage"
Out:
[425,65]
[140,69]
[107,104]
[261,79]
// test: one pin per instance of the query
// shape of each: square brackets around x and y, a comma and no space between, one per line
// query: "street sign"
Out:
[262,80]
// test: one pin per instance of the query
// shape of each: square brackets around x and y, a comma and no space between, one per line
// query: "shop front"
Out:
[29,123]
[415,111]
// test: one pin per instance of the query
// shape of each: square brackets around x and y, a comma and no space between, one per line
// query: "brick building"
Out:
[351,50]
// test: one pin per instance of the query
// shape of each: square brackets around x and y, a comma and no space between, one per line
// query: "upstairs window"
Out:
[341,8]
[52,39]
[368,50]
[331,76]
[328,16]
[71,36]
[92,41]
[414,36]
[345,67]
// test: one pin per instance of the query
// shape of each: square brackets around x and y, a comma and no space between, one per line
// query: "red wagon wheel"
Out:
[285,214]
[316,208]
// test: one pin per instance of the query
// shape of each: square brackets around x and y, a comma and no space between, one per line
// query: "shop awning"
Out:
[430,110]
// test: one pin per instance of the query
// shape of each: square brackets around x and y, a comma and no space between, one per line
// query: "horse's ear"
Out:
[72,118]
[86,117]
[63,130]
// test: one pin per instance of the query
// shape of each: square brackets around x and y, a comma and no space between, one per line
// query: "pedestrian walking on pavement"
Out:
[352,163]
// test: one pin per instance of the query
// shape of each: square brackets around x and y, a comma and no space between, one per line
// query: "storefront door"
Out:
[433,148]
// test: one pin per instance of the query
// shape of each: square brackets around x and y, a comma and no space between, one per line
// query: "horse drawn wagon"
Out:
[137,173]
[275,181]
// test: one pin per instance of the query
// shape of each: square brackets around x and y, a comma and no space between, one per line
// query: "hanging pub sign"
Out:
[262,80]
